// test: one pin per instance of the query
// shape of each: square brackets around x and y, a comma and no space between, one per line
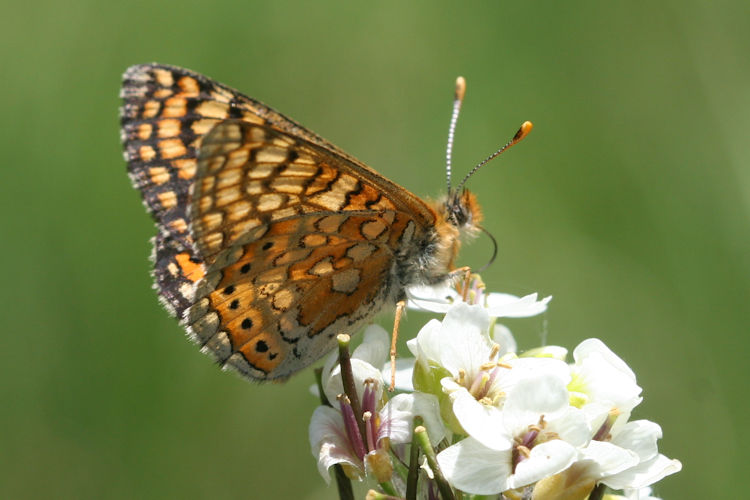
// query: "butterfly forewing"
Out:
[299,246]
[166,113]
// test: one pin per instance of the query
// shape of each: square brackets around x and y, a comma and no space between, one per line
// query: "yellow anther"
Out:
[523,450]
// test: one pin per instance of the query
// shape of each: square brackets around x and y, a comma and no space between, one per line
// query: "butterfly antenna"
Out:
[522,132]
[458,99]
[494,250]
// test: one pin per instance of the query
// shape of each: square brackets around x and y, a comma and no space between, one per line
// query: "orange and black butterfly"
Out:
[271,240]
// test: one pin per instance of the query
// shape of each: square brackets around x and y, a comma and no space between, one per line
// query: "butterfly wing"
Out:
[335,227]
[166,112]
[299,245]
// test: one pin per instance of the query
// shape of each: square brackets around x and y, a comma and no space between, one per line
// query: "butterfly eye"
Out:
[457,212]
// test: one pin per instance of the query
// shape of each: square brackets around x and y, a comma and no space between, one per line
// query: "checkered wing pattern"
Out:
[270,239]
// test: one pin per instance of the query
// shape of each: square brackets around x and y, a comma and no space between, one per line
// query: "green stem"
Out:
[421,437]
[319,382]
[413,477]
[389,489]
[343,483]
[598,492]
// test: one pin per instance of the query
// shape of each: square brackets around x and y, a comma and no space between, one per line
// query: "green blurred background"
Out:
[629,203]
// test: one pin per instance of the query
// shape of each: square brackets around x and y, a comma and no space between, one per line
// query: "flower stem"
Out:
[376,495]
[389,489]
[343,483]
[412,478]
[319,383]
[347,378]
[421,437]
[598,492]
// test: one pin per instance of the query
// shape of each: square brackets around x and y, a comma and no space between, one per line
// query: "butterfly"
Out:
[270,240]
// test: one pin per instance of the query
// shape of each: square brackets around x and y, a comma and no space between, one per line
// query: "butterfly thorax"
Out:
[431,260]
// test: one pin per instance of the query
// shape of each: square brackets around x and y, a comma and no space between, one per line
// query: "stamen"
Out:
[479,386]
[523,451]
[351,426]
[493,374]
[530,436]
[367,417]
[603,433]
[368,396]
[496,399]
[542,422]
[493,352]
[488,366]
[461,376]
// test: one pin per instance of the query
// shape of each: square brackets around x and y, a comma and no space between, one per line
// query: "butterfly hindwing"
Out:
[176,271]
[278,307]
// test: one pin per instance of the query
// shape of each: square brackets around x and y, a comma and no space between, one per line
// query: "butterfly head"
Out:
[462,211]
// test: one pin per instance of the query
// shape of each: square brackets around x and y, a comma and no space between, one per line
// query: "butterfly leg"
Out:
[400,306]
[462,287]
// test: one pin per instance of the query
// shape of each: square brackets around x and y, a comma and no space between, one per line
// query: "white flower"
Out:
[639,437]
[334,432]
[623,455]
[536,435]
[602,384]
[527,420]
[457,357]
[499,305]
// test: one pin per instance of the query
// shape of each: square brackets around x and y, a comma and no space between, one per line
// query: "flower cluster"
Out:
[529,425]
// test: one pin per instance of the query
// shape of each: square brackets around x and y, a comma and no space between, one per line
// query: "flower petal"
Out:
[599,375]
[605,459]
[640,436]
[437,298]
[545,460]
[440,298]
[474,468]
[532,397]
[328,441]
[375,346]
[397,418]
[505,305]
[482,422]
[644,474]
[464,342]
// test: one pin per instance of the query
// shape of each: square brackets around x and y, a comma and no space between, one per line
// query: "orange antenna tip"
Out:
[523,131]
[460,88]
